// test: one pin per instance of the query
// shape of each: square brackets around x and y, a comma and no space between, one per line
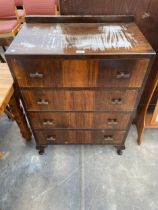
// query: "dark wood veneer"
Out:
[80,93]
[80,100]
[80,73]
[80,120]
[80,137]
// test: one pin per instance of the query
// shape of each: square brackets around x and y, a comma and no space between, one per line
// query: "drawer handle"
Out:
[48,122]
[51,138]
[42,102]
[112,122]
[36,75]
[122,75]
[116,101]
[108,138]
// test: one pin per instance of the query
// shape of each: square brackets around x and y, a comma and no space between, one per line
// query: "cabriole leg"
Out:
[120,149]
[41,149]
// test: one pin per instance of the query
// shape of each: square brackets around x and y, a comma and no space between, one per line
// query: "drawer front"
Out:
[80,137]
[80,100]
[80,73]
[72,120]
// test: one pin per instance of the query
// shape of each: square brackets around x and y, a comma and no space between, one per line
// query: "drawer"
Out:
[80,73]
[80,137]
[79,100]
[78,120]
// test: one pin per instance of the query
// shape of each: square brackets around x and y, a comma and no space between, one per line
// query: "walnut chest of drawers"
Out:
[80,83]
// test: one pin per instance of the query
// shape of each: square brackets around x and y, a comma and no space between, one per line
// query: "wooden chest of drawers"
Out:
[80,83]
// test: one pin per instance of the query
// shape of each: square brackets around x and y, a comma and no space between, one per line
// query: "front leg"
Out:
[120,149]
[41,149]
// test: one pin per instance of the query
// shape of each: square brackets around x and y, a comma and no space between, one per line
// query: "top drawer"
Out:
[79,73]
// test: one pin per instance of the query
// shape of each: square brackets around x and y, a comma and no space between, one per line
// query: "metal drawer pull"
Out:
[112,122]
[108,138]
[36,75]
[116,101]
[51,138]
[42,102]
[48,122]
[122,75]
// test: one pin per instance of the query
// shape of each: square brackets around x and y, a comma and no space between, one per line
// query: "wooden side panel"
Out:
[6,87]
[80,100]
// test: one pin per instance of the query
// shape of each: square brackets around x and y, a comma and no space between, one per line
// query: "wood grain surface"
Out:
[80,137]
[80,120]
[80,100]
[81,39]
[80,73]
[80,82]
[6,87]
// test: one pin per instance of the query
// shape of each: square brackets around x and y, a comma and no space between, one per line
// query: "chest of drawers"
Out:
[80,83]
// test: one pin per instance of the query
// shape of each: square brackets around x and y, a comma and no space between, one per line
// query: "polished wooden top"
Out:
[80,39]
[6,86]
